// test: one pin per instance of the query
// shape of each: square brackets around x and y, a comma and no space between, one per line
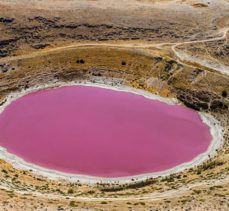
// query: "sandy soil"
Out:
[174,49]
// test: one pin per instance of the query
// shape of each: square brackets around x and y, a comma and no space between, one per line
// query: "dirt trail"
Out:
[179,55]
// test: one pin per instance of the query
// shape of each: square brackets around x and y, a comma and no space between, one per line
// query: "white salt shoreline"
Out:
[215,129]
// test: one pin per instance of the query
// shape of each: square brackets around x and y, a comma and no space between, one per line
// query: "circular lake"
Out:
[101,132]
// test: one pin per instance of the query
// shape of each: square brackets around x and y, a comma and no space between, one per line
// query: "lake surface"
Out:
[101,132]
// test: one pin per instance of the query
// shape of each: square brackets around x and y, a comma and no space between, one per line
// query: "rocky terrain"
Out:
[170,48]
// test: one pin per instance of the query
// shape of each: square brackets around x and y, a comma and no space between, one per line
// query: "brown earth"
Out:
[134,43]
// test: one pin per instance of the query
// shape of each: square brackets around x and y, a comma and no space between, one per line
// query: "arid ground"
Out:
[172,48]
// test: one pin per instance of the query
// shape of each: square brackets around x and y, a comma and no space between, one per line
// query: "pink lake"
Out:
[101,132]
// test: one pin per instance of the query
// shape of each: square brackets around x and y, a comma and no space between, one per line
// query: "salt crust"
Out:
[215,129]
